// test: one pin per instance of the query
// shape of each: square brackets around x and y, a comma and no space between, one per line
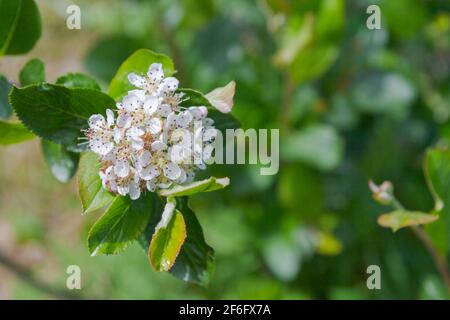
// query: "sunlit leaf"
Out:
[401,219]
[192,188]
[437,173]
[138,62]
[195,262]
[328,244]
[13,132]
[167,241]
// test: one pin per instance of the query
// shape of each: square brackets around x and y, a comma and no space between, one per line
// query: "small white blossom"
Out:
[151,141]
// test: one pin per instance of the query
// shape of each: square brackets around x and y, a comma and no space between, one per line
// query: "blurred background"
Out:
[351,104]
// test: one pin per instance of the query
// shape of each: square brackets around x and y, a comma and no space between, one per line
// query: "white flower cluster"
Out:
[151,142]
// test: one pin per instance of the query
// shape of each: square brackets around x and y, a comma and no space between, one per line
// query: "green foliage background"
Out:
[351,104]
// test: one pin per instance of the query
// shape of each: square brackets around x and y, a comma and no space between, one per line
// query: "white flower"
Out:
[100,133]
[131,103]
[148,145]
[135,190]
[154,126]
[122,168]
[198,112]
[149,173]
[154,84]
[172,171]
[184,119]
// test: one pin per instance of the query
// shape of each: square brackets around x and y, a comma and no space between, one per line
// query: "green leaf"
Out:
[20,26]
[13,132]
[62,163]
[196,98]
[32,73]
[312,63]
[57,113]
[121,224]
[319,146]
[138,62]
[311,40]
[394,93]
[401,218]
[78,80]
[222,121]
[192,188]
[195,262]
[437,173]
[157,209]
[167,241]
[5,107]
[92,194]
[433,288]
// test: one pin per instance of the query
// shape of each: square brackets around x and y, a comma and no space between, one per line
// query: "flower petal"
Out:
[184,119]
[140,94]
[209,134]
[135,132]
[117,135]
[179,153]
[182,178]
[158,146]
[172,171]
[131,103]
[164,110]
[149,173]
[124,120]
[154,126]
[151,185]
[102,147]
[151,104]
[169,85]
[190,176]
[201,166]
[136,80]
[123,190]
[198,113]
[96,121]
[222,98]
[144,159]
[135,191]
[122,168]
[137,143]
[208,122]
[109,117]
[155,72]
